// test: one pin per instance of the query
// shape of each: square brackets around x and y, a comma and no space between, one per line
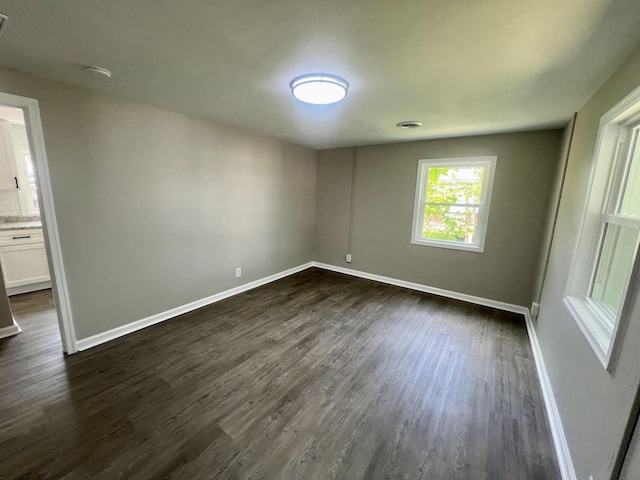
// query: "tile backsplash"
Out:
[9,204]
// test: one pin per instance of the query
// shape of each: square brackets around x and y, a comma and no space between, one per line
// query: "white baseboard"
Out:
[33,287]
[560,441]
[95,340]
[557,432]
[509,307]
[10,330]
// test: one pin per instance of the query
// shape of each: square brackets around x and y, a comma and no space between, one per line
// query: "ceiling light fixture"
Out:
[409,124]
[98,72]
[319,88]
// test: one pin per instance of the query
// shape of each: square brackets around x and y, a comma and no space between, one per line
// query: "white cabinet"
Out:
[8,170]
[24,260]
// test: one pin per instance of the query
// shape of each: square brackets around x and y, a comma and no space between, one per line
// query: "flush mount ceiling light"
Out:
[409,124]
[98,72]
[319,88]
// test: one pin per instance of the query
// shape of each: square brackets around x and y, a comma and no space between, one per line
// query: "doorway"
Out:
[30,254]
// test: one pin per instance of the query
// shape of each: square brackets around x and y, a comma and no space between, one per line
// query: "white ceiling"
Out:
[461,67]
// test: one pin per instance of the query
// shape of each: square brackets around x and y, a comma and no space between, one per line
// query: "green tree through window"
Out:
[452,203]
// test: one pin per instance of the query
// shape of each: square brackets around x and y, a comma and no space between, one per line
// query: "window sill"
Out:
[595,329]
[450,245]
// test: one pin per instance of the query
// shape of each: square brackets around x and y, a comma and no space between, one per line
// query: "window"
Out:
[610,231]
[452,202]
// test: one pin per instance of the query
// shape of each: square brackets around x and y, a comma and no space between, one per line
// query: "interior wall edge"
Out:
[554,206]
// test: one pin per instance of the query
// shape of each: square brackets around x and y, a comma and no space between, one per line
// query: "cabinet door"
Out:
[24,264]
[8,171]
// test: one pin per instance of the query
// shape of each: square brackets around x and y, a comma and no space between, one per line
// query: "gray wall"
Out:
[631,467]
[6,318]
[156,209]
[384,196]
[552,211]
[593,404]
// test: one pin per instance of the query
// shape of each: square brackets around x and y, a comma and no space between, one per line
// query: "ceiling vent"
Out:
[409,124]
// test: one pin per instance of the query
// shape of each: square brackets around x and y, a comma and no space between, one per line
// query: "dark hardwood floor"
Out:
[318,375]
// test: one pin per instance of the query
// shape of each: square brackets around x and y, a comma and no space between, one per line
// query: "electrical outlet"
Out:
[348,258]
[238,272]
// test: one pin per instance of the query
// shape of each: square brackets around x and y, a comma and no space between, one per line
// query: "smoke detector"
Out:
[409,124]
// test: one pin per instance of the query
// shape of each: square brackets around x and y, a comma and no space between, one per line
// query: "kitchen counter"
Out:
[20,225]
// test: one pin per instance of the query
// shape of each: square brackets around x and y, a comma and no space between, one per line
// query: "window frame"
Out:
[489,163]
[609,172]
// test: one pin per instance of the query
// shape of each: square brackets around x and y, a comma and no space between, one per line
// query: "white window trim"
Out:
[489,162]
[593,322]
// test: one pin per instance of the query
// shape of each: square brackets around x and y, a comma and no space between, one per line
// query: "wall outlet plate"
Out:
[348,258]
[238,272]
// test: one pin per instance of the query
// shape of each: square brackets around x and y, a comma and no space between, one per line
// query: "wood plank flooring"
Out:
[315,376]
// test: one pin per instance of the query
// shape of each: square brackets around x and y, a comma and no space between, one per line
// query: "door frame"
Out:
[35,135]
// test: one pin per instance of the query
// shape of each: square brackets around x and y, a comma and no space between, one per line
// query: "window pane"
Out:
[454,185]
[457,224]
[616,260]
[630,205]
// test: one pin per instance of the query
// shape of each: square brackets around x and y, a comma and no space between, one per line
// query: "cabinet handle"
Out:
[18,237]
[16,179]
